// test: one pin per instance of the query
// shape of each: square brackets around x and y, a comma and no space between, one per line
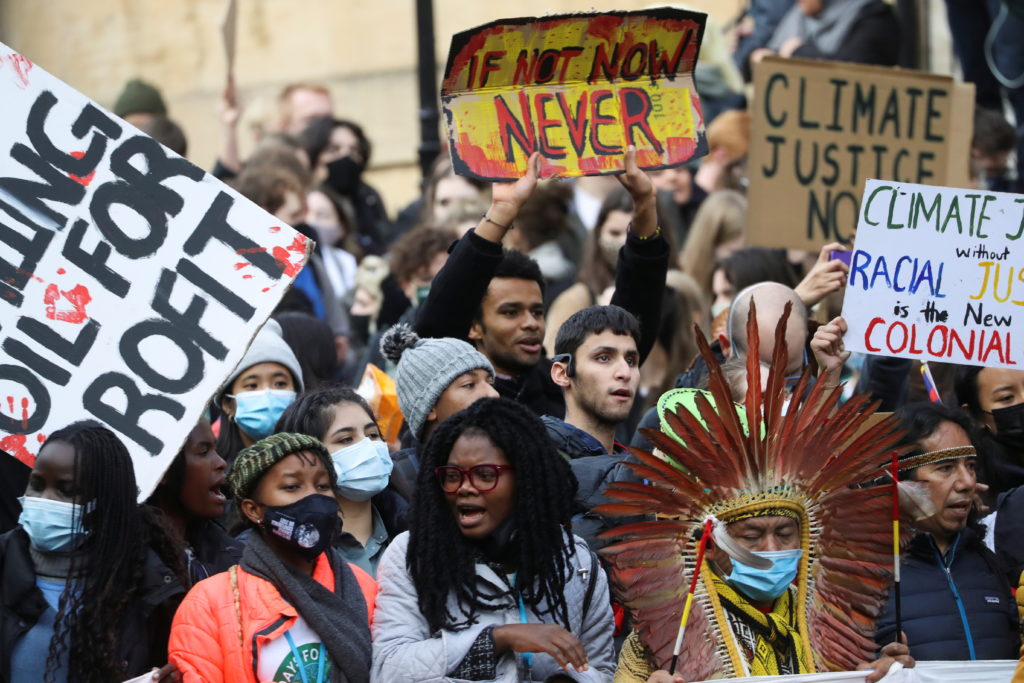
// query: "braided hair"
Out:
[442,562]
[107,568]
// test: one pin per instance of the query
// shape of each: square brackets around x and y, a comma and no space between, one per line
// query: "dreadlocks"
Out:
[442,562]
[107,568]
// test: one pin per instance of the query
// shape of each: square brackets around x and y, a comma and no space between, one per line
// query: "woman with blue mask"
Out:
[371,513]
[263,384]
[86,592]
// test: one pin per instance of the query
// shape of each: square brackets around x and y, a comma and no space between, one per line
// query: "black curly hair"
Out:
[442,562]
[109,565]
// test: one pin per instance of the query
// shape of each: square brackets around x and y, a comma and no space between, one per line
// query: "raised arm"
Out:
[643,261]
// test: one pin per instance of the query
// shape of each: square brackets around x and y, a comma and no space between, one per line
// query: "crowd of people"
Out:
[593,381]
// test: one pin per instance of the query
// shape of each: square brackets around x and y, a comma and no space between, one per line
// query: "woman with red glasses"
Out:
[490,584]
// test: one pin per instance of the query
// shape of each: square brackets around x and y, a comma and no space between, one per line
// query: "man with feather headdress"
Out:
[801,562]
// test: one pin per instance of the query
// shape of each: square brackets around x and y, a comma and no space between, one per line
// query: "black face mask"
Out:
[359,325]
[1010,426]
[343,175]
[307,525]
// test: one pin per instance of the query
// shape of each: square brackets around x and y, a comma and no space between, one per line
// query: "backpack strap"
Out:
[591,583]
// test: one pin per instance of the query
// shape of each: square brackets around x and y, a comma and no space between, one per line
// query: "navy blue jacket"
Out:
[963,612]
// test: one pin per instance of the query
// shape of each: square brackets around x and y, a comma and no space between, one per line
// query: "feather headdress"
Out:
[754,461]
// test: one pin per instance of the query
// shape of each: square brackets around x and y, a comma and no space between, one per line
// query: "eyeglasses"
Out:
[482,477]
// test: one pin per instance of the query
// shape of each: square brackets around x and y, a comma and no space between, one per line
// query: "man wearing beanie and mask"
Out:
[292,608]
[435,379]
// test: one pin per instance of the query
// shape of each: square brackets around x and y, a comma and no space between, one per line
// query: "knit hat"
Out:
[139,97]
[425,368]
[268,346]
[253,462]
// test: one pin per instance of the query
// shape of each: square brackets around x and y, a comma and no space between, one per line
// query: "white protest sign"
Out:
[937,273]
[981,671]
[131,282]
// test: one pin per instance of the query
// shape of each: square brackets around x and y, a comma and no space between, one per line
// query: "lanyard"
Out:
[527,656]
[298,660]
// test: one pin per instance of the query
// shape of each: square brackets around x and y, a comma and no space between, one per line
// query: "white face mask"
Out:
[363,469]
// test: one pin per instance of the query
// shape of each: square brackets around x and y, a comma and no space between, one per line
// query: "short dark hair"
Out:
[922,418]
[312,413]
[517,266]
[417,248]
[965,386]
[166,132]
[992,132]
[595,320]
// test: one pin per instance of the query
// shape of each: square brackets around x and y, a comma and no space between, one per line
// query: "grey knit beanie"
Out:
[425,368]
[253,462]
[268,346]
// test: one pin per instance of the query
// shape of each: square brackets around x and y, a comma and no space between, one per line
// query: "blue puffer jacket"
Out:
[955,607]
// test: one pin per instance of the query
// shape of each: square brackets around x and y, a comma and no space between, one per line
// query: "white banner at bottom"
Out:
[989,671]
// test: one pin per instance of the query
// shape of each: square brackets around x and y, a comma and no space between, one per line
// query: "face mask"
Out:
[421,294]
[326,235]
[51,525]
[363,469]
[308,525]
[717,309]
[1009,420]
[343,175]
[256,412]
[765,585]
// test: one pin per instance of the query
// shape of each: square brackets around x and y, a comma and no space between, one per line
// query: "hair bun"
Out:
[396,340]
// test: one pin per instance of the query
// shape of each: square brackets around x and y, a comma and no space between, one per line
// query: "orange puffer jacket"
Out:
[225,620]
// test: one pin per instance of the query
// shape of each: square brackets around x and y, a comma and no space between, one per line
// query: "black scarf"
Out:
[338,617]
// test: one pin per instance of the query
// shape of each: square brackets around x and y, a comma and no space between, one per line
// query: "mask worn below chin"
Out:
[343,176]
[51,525]
[765,585]
[308,525]
[256,412]
[363,469]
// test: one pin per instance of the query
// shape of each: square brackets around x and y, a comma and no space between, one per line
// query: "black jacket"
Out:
[1009,533]
[215,551]
[945,600]
[874,38]
[147,620]
[460,286]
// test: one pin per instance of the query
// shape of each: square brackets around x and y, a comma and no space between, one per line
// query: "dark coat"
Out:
[460,286]
[954,603]
[874,38]
[147,620]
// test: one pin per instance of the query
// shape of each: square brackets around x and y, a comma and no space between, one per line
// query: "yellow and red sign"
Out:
[579,89]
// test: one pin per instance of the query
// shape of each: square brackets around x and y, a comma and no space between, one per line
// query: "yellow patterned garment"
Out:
[1018,675]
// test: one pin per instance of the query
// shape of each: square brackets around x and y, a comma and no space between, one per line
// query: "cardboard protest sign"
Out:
[577,88]
[936,275]
[131,282]
[819,129]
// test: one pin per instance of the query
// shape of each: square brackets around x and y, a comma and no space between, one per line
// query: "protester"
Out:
[489,584]
[994,400]
[315,347]
[993,141]
[191,496]
[495,298]
[292,603]
[685,194]
[434,378]
[544,232]
[725,166]
[89,580]
[263,384]
[785,546]
[339,153]
[332,218]
[956,603]
[139,102]
[444,195]
[716,232]
[342,420]
[597,365]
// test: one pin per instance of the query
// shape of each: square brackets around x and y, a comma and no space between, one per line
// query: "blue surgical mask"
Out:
[51,525]
[765,585]
[256,412]
[363,469]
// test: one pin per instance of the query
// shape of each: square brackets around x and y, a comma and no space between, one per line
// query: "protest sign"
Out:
[577,88]
[819,129]
[936,274]
[131,282]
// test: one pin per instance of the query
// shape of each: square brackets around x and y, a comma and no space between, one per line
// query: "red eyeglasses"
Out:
[482,477]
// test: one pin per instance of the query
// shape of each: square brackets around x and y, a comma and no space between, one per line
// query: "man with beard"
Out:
[494,298]
[597,365]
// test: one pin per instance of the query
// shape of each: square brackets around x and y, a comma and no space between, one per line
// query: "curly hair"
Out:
[442,562]
[109,565]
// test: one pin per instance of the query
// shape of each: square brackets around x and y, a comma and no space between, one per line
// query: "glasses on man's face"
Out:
[482,477]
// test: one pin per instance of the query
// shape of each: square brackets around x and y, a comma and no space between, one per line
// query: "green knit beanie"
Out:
[253,462]
[139,97]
